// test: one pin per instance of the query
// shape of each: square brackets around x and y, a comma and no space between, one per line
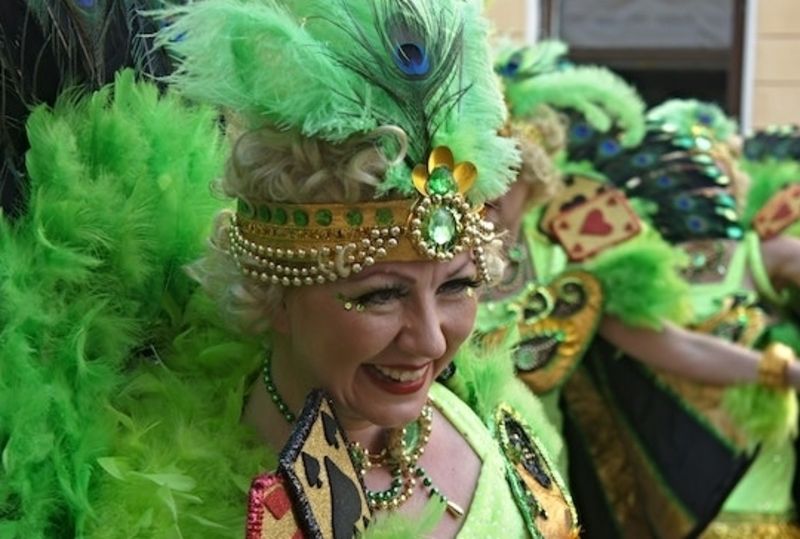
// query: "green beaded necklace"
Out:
[283,408]
[405,447]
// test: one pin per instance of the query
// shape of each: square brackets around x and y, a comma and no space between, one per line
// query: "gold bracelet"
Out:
[773,368]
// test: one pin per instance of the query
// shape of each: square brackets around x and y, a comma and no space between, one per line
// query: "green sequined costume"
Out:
[684,180]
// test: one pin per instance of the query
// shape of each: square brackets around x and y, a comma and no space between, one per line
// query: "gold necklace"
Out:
[402,453]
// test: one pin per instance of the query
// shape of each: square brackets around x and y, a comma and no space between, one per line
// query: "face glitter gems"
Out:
[350,304]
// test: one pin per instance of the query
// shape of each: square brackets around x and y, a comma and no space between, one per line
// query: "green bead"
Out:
[441,227]
[300,218]
[702,144]
[735,233]
[245,208]
[441,181]
[264,214]
[279,216]
[384,216]
[323,217]
[427,482]
[703,159]
[354,217]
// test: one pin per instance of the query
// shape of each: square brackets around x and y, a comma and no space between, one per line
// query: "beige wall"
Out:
[776,92]
[509,17]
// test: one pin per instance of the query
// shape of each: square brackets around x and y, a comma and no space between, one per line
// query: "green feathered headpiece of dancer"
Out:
[688,115]
[335,68]
[539,75]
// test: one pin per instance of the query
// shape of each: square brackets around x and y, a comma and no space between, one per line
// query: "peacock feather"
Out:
[686,194]
[779,142]
[358,66]
[51,45]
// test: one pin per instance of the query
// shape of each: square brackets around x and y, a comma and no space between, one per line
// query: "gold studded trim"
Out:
[304,244]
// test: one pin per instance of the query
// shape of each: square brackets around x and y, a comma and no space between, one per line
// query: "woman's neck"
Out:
[293,385]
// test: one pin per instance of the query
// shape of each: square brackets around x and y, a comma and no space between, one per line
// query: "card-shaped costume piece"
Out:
[595,225]
[577,190]
[328,498]
[543,499]
[556,324]
[781,211]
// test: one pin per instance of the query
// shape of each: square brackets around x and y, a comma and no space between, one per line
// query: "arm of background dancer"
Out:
[695,356]
[781,257]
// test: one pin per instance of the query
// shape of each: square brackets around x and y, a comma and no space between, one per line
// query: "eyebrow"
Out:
[370,272]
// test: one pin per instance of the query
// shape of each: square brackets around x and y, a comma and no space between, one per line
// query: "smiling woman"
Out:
[357,241]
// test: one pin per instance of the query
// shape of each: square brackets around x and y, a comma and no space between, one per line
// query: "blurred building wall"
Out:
[776,84]
[771,83]
[510,17]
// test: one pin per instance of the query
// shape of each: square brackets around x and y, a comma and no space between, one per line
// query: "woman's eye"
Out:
[457,286]
[381,297]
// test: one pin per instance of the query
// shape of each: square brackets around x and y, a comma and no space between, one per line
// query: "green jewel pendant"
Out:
[444,223]
[441,228]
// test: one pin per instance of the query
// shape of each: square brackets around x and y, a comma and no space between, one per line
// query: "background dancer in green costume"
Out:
[554,323]
[690,180]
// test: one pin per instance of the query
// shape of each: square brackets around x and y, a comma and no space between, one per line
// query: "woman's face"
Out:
[377,340]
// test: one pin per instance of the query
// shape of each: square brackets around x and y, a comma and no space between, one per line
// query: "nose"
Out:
[423,331]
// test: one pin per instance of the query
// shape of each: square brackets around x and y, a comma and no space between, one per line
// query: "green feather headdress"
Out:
[687,115]
[540,75]
[333,69]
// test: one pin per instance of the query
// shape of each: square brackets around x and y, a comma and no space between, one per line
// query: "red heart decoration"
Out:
[782,212]
[595,224]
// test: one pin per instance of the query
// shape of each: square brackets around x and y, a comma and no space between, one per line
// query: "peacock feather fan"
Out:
[685,191]
[779,142]
[358,66]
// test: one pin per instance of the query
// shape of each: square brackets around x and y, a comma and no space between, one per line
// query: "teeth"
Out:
[401,375]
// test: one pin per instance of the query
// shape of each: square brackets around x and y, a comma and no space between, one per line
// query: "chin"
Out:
[396,414]
[380,408]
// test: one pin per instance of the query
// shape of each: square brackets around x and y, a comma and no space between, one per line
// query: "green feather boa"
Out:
[85,276]
[641,283]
